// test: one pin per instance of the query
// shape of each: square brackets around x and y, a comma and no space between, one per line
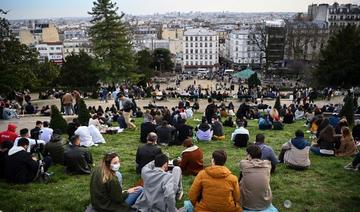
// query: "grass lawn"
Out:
[326,186]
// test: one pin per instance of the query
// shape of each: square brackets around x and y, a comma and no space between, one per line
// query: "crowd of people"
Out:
[161,177]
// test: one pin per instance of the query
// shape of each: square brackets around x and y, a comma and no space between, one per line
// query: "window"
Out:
[187,51]
[205,44]
[210,44]
[200,44]
[210,38]
[195,38]
[206,38]
[187,63]
[191,63]
[200,38]
[201,63]
[186,44]
[187,57]
[196,57]
[191,38]
[186,38]
[191,51]
[210,57]
[191,44]
[51,48]
[196,51]
[195,45]
[58,48]
[206,62]
[200,51]
[205,57]
[205,51]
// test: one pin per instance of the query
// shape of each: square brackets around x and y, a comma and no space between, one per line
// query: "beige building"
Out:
[40,33]
[175,38]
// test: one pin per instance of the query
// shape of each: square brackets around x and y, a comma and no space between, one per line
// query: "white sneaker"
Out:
[179,195]
[350,167]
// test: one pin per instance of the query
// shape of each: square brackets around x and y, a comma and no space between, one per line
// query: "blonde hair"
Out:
[107,173]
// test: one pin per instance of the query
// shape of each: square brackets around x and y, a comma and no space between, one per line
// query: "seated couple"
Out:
[253,194]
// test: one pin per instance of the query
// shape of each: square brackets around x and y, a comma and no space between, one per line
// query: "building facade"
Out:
[53,51]
[338,15]
[242,48]
[276,36]
[201,49]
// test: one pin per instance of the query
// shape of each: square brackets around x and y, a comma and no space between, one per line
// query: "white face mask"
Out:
[115,167]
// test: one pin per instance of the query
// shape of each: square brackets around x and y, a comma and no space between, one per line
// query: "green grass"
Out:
[326,186]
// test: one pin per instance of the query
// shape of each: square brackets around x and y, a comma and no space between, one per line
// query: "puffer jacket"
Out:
[215,189]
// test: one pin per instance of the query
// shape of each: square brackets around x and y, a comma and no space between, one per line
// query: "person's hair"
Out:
[24,131]
[188,142]
[240,123]
[164,123]
[346,132]
[7,145]
[327,134]
[57,131]
[203,119]
[260,138]
[152,137]
[219,157]
[160,160]
[95,116]
[299,133]
[38,122]
[210,100]
[107,173]
[254,151]
[23,142]
[46,124]
[74,138]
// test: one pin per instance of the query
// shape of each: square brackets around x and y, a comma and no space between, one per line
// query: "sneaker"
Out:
[179,195]
[350,167]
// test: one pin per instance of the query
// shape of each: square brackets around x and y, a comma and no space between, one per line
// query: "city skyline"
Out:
[37,9]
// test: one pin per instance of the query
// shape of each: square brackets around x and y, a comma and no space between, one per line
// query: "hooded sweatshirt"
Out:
[211,182]
[255,184]
[9,134]
[297,152]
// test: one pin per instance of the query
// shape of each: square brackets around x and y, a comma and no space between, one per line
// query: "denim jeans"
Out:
[131,199]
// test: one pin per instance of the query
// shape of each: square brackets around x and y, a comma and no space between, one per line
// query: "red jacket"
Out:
[9,134]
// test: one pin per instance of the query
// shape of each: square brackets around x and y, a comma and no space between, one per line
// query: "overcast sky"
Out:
[31,9]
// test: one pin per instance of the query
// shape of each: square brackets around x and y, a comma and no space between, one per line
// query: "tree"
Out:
[277,105]
[258,36]
[339,63]
[144,61]
[162,60]
[348,109]
[79,71]
[56,119]
[46,74]
[253,81]
[17,61]
[84,114]
[111,42]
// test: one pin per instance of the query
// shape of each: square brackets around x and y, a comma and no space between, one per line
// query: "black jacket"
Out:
[145,129]
[146,154]
[55,149]
[165,134]
[77,160]
[20,167]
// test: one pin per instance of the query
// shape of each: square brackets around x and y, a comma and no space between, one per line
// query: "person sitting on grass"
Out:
[215,188]
[191,161]
[161,188]
[55,148]
[165,133]
[9,134]
[356,130]
[299,113]
[204,131]
[106,190]
[264,123]
[288,117]
[240,136]
[4,152]
[147,127]
[46,132]
[147,152]
[347,144]
[228,122]
[20,166]
[84,135]
[218,130]
[325,145]
[295,153]
[355,164]
[255,182]
[35,132]
[267,153]
[77,159]
[24,133]
[183,131]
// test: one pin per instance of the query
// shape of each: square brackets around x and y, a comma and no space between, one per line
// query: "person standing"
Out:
[127,105]
[210,110]
[67,101]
